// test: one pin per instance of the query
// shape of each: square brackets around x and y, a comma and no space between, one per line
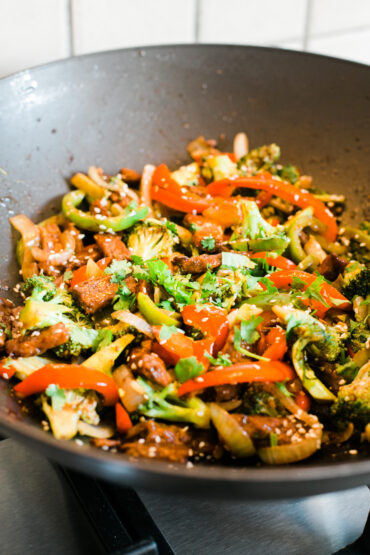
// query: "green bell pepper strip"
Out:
[310,382]
[88,221]
[354,233]
[152,313]
[294,227]
[268,244]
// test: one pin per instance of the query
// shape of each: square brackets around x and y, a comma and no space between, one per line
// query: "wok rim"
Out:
[119,467]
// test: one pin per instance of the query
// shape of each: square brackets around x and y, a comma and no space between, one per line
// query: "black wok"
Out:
[136,106]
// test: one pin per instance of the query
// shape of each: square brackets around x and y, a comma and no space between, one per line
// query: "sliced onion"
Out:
[292,452]
[131,393]
[92,269]
[30,232]
[68,240]
[313,248]
[338,437]
[145,186]
[234,437]
[135,321]
[94,174]
[241,145]
[99,432]
[290,405]
[59,258]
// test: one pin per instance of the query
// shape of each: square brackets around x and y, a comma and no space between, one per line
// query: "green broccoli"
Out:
[318,339]
[359,335]
[41,288]
[221,167]
[151,239]
[38,314]
[353,403]
[256,400]
[166,405]
[356,280]
[259,159]
[256,234]
[288,173]
[359,242]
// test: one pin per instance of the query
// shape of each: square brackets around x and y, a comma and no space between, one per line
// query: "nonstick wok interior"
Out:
[137,106]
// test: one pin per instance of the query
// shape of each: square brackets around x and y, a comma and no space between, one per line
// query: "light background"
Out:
[39,31]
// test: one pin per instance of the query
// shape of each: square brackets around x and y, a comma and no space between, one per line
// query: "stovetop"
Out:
[47,510]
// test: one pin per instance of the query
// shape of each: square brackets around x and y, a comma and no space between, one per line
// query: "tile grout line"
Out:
[197,20]
[71,45]
[307,25]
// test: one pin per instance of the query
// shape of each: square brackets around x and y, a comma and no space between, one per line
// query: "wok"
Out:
[130,107]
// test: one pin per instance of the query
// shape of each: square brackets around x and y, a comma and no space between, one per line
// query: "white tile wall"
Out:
[339,15]
[37,31]
[252,21]
[351,45]
[109,24]
[32,32]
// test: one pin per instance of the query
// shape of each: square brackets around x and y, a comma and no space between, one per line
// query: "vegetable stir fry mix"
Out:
[213,312]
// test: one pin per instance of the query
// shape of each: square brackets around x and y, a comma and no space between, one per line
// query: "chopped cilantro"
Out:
[171,227]
[167,331]
[292,322]
[270,289]
[118,270]
[208,243]
[188,368]
[193,228]
[313,291]
[248,329]
[179,287]
[166,305]
[221,360]
[124,299]
[57,395]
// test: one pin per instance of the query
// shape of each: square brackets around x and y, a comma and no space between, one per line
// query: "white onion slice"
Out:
[99,432]
[145,186]
[241,145]
[135,321]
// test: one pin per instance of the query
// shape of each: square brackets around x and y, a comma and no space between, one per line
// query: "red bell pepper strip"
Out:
[178,346]
[170,193]
[277,346]
[6,370]
[210,320]
[225,212]
[276,261]
[80,274]
[69,376]
[284,279]
[303,400]
[242,372]
[283,189]
[123,420]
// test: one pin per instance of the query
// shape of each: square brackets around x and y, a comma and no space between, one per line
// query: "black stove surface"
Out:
[47,510]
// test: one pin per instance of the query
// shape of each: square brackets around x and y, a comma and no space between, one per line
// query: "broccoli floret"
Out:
[221,167]
[256,400]
[353,403]
[359,335]
[151,239]
[356,280]
[257,234]
[166,405]
[259,159]
[359,242]
[288,173]
[41,288]
[41,314]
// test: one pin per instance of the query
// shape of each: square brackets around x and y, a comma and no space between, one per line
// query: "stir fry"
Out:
[218,311]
